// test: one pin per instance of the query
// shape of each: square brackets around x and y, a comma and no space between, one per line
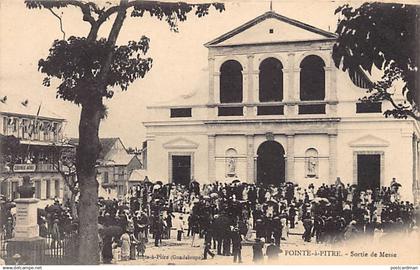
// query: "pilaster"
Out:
[211,158]
[290,158]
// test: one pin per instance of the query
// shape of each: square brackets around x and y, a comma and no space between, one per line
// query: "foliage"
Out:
[77,63]
[384,35]
[9,150]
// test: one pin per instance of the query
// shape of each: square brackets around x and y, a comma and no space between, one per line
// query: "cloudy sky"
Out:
[180,59]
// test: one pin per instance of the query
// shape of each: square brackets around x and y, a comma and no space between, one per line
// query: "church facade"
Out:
[277,109]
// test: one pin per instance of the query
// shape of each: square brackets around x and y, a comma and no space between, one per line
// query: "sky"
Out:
[179,59]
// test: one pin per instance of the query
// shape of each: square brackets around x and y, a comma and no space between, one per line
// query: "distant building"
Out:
[114,167]
[40,136]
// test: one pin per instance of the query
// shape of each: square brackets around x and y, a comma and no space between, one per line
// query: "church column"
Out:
[332,157]
[250,177]
[331,88]
[250,84]
[290,159]
[211,158]
[291,75]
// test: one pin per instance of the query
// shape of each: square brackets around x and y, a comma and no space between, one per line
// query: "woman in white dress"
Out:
[125,246]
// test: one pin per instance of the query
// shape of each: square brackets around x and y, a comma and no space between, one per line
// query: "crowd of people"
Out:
[226,215]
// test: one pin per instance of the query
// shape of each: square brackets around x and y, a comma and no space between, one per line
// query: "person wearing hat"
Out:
[236,245]
[55,234]
[257,250]
[277,230]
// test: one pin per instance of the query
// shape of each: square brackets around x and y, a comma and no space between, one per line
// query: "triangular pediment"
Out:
[270,28]
[369,141]
[180,143]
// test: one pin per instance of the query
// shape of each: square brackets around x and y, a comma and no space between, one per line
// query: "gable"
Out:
[180,143]
[257,31]
[369,141]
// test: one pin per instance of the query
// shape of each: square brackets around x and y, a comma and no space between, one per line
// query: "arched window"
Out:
[231,82]
[271,80]
[312,78]
[311,163]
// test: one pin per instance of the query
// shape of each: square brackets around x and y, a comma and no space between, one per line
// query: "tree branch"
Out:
[87,16]
[61,23]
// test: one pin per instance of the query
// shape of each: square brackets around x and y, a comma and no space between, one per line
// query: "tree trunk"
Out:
[87,154]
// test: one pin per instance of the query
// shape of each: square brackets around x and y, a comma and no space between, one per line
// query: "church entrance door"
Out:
[270,164]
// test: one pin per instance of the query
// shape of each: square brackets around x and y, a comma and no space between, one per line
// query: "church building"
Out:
[277,109]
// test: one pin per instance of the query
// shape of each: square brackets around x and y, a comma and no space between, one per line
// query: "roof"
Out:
[107,144]
[265,16]
[13,106]
[137,175]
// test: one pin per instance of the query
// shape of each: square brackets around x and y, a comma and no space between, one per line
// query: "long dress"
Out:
[125,247]
[107,249]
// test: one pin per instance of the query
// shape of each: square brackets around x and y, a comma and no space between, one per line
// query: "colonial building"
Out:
[39,134]
[114,168]
[277,109]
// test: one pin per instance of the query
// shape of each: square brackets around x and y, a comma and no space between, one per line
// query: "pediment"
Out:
[270,28]
[180,143]
[369,141]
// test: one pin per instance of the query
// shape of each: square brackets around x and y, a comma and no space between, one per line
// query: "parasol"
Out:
[320,200]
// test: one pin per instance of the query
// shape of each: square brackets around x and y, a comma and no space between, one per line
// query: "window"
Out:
[5,125]
[312,78]
[231,82]
[57,188]
[369,107]
[25,128]
[46,128]
[55,129]
[48,189]
[38,189]
[312,109]
[231,111]
[271,80]
[271,31]
[270,110]
[106,177]
[180,112]
[119,173]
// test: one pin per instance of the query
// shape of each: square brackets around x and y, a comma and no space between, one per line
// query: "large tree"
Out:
[384,35]
[89,69]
